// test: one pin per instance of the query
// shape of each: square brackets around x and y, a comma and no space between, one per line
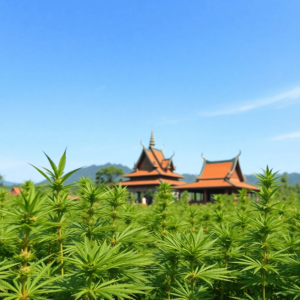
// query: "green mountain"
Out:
[9,183]
[91,172]
[293,178]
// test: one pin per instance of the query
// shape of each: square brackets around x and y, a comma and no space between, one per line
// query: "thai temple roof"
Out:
[152,162]
[222,173]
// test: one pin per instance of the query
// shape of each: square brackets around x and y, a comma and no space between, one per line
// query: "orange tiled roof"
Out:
[226,173]
[15,191]
[216,183]
[158,162]
[164,163]
[152,163]
[151,182]
[141,173]
[224,169]
[170,173]
[173,182]
[156,172]
[243,185]
[216,170]
[140,182]
[159,155]
[151,157]
[205,184]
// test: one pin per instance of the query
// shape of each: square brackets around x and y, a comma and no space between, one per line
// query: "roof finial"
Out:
[170,160]
[202,156]
[152,141]
[142,144]
[239,153]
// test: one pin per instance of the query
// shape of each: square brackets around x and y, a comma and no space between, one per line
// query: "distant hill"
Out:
[188,178]
[91,172]
[9,183]
[293,178]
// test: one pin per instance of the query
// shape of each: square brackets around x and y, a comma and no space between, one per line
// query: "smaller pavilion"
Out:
[151,169]
[217,177]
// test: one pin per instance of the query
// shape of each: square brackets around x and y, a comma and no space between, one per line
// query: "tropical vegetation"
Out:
[101,245]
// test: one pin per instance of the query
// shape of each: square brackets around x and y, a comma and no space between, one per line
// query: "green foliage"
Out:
[100,245]
[109,175]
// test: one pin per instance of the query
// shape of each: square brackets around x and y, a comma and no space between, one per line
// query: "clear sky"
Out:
[209,76]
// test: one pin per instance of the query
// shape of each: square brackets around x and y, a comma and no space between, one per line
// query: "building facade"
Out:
[217,177]
[151,169]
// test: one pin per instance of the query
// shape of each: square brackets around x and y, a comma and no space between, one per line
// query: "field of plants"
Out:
[105,247]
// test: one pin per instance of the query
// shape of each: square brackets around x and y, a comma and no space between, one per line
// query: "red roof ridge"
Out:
[217,169]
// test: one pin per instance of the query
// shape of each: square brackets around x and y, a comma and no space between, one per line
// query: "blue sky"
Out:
[207,76]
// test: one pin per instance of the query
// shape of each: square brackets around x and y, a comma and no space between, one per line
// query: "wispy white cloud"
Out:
[291,135]
[285,98]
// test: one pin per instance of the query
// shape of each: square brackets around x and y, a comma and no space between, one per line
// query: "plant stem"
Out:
[172,278]
[223,288]
[113,241]
[192,271]
[24,296]
[264,276]
[50,252]
[90,286]
[25,250]
[60,238]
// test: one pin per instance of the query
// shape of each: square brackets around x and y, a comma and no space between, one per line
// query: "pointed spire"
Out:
[152,141]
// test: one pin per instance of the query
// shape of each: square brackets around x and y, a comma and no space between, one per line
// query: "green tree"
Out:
[284,178]
[1,180]
[108,175]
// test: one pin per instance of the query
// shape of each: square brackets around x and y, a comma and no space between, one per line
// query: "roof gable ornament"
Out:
[203,157]
[143,145]
[170,160]
[230,172]
[236,160]
[152,141]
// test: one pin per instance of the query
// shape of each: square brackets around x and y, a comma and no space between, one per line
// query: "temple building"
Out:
[217,177]
[151,169]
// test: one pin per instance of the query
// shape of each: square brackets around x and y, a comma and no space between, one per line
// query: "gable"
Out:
[222,169]
[234,175]
[216,170]
[238,172]
[144,163]
[158,154]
